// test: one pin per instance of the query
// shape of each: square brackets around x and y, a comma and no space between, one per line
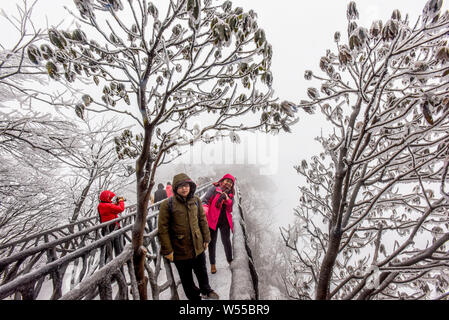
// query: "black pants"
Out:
[225,232]
[117,243]
[197,265]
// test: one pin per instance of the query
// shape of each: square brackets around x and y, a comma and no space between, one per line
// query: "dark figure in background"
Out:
[184,236]
[110,211]
[218,207]
[159,195]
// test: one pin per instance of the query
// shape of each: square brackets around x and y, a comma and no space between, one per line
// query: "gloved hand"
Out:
[169,256]
[219,202]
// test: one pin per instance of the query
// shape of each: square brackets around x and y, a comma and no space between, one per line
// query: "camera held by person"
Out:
[117,200]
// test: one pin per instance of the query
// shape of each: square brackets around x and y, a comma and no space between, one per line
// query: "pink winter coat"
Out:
[169,191]
[210,209]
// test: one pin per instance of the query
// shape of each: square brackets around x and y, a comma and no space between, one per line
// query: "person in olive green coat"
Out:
[184,236]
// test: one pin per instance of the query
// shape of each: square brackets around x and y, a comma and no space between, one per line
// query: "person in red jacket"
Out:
[169,190]
[110,211]
[218,208]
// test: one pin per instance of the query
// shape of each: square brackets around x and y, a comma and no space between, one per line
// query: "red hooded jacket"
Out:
[169,191]
[108,210]
[211,211]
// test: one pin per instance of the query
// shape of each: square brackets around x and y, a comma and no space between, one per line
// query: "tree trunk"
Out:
[82,198]
[143,188]
[79,205]
[322,292]
[137,241]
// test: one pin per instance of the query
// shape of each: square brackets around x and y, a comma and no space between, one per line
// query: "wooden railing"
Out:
[244,284]
[60,232]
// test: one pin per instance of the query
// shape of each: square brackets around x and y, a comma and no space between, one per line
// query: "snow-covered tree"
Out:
[31,148]
[21,126]
[53,171]
[267,248]
[165,67]
[14,64]
[36,146]
[94,166]
[373,217]
[30,141]
[30,199]
[21,79]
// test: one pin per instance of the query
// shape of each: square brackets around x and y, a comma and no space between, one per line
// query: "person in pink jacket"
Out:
[169,190]
[218,208]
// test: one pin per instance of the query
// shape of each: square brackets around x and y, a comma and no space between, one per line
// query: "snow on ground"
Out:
[220,282]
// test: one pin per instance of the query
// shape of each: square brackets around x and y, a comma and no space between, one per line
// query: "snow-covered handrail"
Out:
[244,283]
[98,281]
